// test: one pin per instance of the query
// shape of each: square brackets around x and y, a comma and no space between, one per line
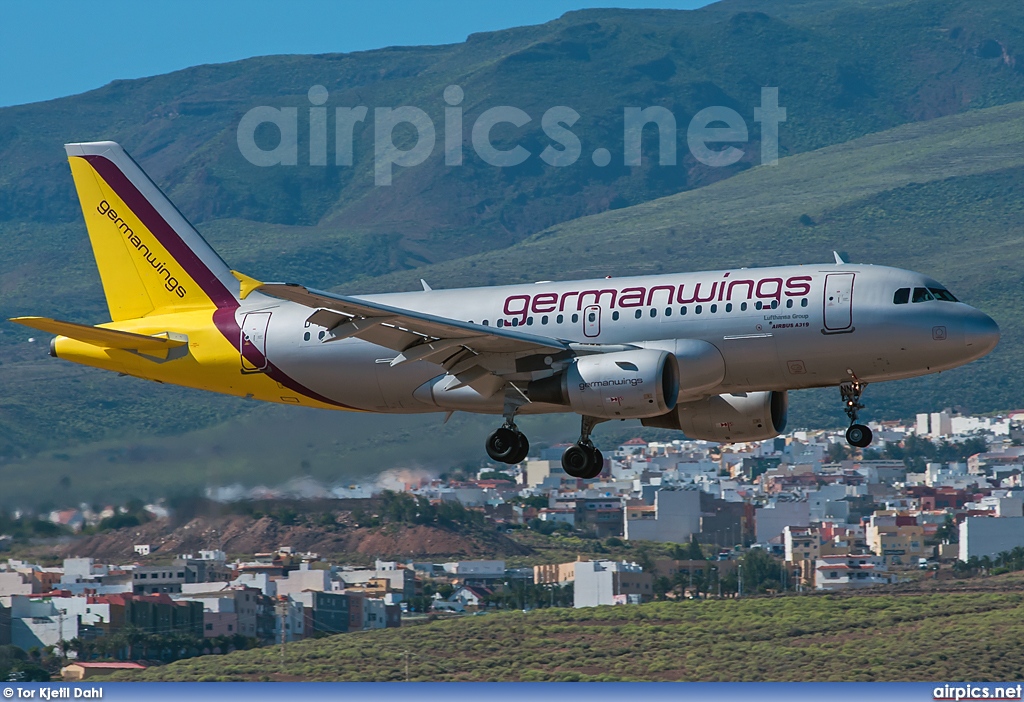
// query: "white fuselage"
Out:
[776,328]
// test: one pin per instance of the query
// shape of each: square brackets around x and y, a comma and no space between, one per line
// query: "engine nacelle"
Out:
[619,385]
[751,416]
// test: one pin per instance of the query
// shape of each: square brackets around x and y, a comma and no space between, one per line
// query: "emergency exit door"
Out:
[839,301]
[592,321]
[252,346]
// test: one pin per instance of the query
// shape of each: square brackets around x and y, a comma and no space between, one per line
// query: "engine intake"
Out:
[751,416]
[623,384]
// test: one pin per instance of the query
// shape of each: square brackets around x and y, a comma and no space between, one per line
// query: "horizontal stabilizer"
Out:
[97,336]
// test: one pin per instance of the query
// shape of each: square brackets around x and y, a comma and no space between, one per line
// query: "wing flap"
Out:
[98,336]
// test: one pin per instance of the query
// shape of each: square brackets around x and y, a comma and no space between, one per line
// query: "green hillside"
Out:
[956,637]
[939,194]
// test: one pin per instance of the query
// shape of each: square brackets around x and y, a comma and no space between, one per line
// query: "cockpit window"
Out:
[901,296]
[922,295]
[942,294]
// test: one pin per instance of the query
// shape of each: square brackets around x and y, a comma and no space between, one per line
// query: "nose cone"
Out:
[981,334]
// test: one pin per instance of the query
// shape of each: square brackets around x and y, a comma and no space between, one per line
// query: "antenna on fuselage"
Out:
[839,258]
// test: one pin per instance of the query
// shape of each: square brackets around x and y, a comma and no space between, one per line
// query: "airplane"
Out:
[712,354]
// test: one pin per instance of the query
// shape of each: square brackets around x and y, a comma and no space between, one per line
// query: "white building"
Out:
[676,517]
[942,424]
[400,579]
[78,570]
[374,614]
[850,571]
[37,622]
[771,520]
[990,536]
[305,579]
[609,582]
[475,570]
[1003,504]
[15,583]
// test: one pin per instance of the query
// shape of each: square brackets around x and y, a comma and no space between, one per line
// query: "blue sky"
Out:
[53,48]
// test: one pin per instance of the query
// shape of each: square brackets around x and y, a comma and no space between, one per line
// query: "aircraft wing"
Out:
[485,358]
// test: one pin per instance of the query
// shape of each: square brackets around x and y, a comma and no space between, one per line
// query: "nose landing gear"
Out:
[583,459]
[857,435]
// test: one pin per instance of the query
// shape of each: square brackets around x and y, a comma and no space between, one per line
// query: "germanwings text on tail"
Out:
[711,354]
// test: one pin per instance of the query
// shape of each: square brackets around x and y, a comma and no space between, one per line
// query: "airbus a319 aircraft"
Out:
[712,354]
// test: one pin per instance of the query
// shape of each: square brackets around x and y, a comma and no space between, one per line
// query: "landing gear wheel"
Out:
[524,449]
[576,461]
[596,464]
[858,435]
[583,461]
[505,443]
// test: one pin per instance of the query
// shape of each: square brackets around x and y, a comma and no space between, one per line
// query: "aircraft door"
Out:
[839,301]
[592,321]
[252,344]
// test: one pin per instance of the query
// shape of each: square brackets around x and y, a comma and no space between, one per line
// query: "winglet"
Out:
[839,259]
[247,284]
[426,288]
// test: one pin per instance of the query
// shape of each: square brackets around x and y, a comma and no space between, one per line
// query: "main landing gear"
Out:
[507,444]
[583,459]
[857,435]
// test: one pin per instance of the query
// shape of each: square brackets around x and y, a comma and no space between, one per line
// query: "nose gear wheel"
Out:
[857,435]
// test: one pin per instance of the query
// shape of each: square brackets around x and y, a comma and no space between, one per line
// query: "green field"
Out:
[956,637]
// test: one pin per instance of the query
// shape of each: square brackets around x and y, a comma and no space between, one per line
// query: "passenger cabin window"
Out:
[901,296]
[922,295]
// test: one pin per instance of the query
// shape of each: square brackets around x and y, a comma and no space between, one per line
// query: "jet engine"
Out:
[751,416]
[619,385]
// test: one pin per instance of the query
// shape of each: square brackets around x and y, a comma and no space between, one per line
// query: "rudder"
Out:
[150,258]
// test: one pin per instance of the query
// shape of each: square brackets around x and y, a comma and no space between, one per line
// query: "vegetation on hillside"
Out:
[968,636]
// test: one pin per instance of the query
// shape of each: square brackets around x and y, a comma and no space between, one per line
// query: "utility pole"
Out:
[739,581]
[282,616]
[60,632]
[406,654]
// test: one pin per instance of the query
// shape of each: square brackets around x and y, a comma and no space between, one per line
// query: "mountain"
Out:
[901,147]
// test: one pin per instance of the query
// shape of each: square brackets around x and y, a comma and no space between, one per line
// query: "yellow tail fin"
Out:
[150,259]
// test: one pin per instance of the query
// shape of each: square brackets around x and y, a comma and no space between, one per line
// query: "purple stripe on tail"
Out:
[163,231]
